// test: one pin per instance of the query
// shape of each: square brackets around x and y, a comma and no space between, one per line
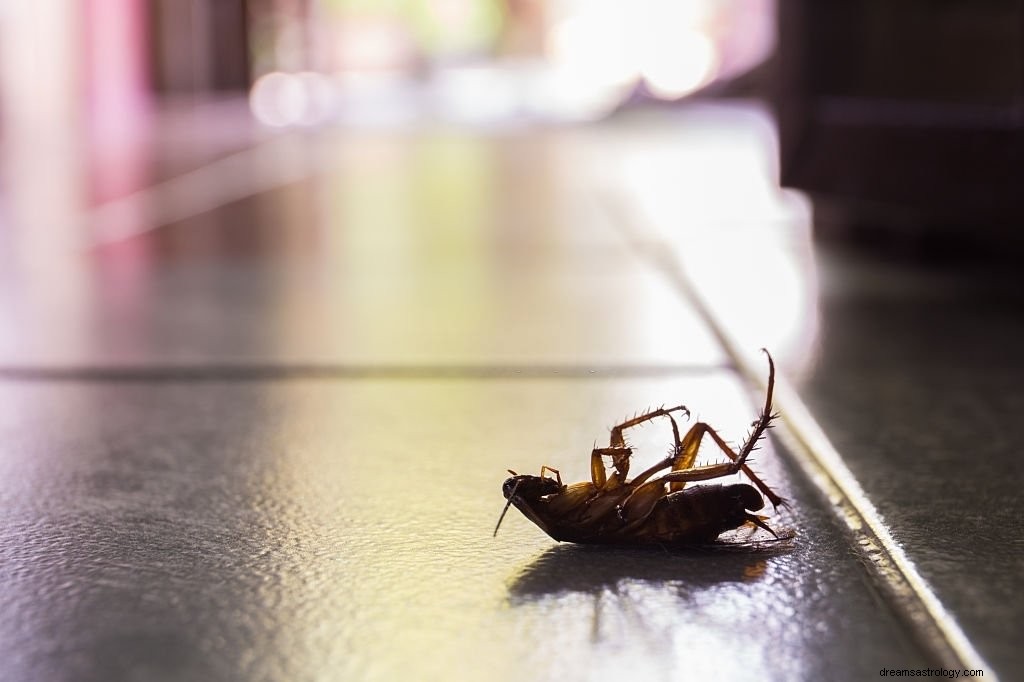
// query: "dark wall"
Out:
[913,108]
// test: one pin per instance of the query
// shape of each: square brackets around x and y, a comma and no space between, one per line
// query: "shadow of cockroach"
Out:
[591,569]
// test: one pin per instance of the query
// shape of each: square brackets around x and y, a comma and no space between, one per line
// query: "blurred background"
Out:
[120,117]
[305,62]
[923,87]
[273,272]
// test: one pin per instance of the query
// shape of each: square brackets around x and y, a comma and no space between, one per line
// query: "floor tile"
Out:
[919,386]
[323,529]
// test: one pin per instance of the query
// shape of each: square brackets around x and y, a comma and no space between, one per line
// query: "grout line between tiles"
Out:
[932,626]
[288,372]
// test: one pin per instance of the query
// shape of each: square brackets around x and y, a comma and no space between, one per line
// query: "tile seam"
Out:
[272,371]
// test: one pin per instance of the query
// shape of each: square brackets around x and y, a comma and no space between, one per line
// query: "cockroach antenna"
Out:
[505,510]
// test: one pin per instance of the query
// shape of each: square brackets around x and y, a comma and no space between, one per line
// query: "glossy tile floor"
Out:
[256,424]
[920,386]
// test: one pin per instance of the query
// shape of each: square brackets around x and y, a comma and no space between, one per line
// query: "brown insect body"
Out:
[649,509]
[694,516]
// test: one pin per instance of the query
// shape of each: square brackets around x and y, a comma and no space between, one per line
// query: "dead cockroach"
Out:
[609,509]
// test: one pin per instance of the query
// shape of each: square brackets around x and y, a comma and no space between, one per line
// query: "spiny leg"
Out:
[647,493]
[684,456]
[684,452]
[701,473]
[645,496]
[618,450]
[667,462]
[691,442]
[677,478]
[676,445]
[617,439]
[687,458]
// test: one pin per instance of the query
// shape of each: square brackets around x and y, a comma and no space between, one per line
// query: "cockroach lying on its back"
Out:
[610,509]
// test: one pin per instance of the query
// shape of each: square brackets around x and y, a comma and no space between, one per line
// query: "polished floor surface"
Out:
[256,413]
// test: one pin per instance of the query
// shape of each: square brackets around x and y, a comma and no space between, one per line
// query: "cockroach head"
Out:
[529,487]
[522,489]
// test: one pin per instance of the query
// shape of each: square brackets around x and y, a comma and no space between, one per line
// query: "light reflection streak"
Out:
[276,162]
[713,198]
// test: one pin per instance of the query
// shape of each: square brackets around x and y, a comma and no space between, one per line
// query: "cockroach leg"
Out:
[643,497]
[620,462]
[684,471]
[618,440]
[691,445]
[558,476]
[669,461]
[620,453]
[687,456]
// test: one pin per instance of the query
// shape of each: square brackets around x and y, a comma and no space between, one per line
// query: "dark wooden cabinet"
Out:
[913,107]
